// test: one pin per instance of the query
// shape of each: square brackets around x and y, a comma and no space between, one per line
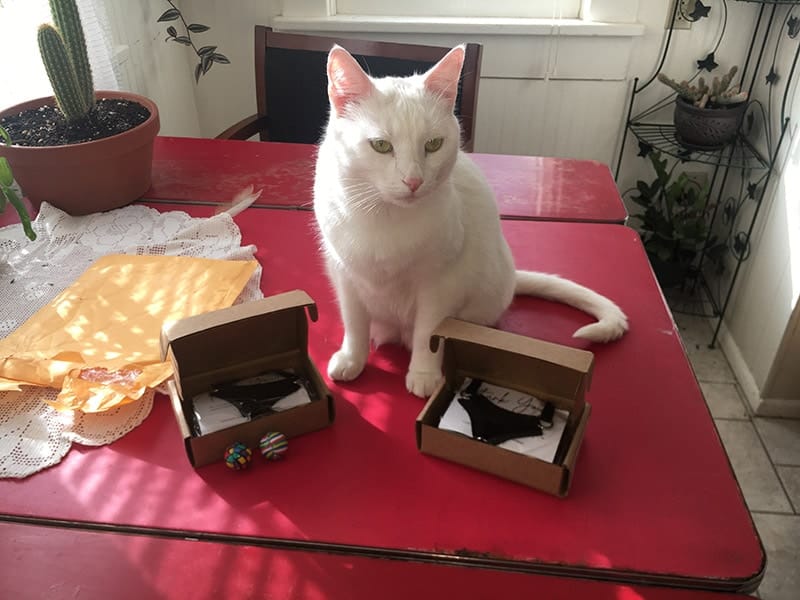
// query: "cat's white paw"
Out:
[608,329]
[343,366]
[422,383]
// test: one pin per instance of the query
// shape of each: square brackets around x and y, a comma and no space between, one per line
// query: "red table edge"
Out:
[623,223]
[425,574]
[310,208]
[150,199]
[460,559]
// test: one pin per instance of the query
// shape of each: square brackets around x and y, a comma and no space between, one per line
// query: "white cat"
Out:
[410,229]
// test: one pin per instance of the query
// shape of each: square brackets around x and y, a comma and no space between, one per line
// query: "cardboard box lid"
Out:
[533,365]
[241,333]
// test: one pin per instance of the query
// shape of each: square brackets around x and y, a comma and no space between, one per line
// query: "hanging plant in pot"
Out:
[81,151]
[707,117]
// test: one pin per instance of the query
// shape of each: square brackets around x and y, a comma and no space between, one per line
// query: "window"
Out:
[460,8]
[24,77]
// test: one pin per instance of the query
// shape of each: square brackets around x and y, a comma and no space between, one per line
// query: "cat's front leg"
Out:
[425,368]
[347,363]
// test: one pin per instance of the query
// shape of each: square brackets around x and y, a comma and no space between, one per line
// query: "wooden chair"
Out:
[291,82]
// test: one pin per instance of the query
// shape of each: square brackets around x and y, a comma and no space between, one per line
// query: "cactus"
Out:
[719,94]
[68,22]
[63,50]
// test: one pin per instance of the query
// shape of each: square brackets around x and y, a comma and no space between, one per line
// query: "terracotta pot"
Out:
[707,128]
[89,177]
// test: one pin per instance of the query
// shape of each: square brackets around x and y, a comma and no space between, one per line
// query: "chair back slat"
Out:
[291,79]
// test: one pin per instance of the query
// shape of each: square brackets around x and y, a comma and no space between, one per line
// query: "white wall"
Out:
[164,71]
[227,93]
[769,285]
[154,68]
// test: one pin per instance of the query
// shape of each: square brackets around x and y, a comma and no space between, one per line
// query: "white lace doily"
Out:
[33,435]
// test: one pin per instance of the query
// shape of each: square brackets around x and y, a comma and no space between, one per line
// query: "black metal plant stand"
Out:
[731,218]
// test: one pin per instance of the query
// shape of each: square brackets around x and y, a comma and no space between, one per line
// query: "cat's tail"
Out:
[611,321]
[243,199]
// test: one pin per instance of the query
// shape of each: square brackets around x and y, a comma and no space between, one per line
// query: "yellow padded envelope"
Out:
[98,341]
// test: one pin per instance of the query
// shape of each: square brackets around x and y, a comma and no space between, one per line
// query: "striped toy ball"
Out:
[238,456]
[273,445]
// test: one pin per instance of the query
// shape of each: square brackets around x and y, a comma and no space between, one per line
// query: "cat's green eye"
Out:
[381,146]
[434,144]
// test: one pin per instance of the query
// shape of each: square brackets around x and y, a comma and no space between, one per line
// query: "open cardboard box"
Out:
[239,342]
[550,372]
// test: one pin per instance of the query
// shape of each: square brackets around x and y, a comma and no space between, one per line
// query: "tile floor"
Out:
[765,454]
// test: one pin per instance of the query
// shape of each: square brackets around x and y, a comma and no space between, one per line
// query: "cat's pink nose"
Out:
[413,183]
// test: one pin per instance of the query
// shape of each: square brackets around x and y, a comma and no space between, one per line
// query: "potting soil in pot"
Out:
[46,126]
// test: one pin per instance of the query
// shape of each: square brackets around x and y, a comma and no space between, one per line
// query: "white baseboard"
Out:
[779,407]
[763,407]
[747,382]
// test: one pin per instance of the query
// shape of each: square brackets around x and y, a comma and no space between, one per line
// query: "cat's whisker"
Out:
[362,195]
[355,189]
[366,204]
[359,189]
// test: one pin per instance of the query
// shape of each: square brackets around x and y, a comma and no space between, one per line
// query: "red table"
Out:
[653,499]
[526,187]
[552,189]
[211,171]
[201,170]
[45,562]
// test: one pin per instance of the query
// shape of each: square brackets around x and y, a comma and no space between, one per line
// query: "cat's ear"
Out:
[442,78]
[347,81]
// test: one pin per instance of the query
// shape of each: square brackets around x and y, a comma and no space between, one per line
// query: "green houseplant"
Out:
[674,223]
[80,150]
[707,116]
[206,55]
[8,192]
